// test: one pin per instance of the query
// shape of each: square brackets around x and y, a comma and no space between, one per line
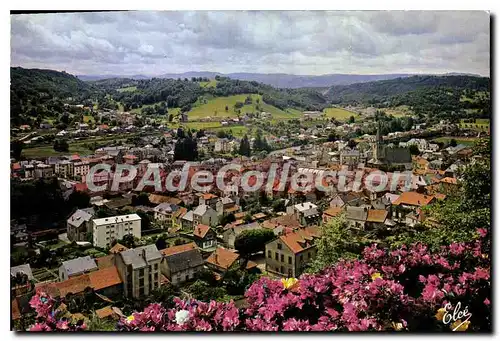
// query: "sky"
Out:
[293,42]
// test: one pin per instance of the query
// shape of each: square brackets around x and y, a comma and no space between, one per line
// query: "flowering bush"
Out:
[50,318]
[405,289]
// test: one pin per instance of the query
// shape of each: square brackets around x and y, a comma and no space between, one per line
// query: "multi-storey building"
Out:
[140,270]
[289,254]
[105,230]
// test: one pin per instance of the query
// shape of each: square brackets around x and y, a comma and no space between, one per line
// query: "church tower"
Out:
[378,148]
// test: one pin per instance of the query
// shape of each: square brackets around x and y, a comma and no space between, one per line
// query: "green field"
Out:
[48,150]
[480,124]
[400,111]
[127,89]
[216,107]
[237,131]
[339,114]
[211,84]
[460,140]
[174,111]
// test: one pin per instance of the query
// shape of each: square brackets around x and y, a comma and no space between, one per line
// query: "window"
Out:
[141,272]
[269,254]
[276,256]
[141,282]
[289,260]
[156,277]
[308,255]
[282,258]
[290,273]
[187,278]
[279,246]
[282,270]
[301,258]
[156,266]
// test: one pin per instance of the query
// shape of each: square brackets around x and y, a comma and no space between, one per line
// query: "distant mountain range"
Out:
[279,80]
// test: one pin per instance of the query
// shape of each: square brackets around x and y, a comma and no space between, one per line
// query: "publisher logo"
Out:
[457,319]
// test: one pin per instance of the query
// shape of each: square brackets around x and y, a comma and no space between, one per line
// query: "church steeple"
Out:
[378,147]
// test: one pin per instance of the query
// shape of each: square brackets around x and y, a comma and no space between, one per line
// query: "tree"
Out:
[332,137]
[128,241]
[453,143]
[186,149]
[227,219]
[244,147]
[252,241]
[61,145]
[414,149]
[145,220]
[161,242]
[351,120]
[227,108]
[78,199]
[351,144]
[16,148]
[337,241]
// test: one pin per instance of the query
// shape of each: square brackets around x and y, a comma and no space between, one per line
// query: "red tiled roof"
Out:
[376,216]
[413,198]
[130,156]
[449,180]
[105,278]
[81,187]
[178,249]
[105,261]
[301,236]
[73,285]
[118,248]
[222,258]
[208,196]
[201,230]
[16,166]
[332,211]
[75,157]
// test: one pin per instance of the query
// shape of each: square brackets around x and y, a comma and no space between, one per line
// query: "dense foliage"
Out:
[404,289]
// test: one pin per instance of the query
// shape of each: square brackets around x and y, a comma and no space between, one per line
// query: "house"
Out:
[105,281]
[208,199]
[181,263]
[177,218]
[140,270]
[204,214]
[24,269]
[187,221]
[225,206]
[221,260]
[105,230]
[330,213]
[307,213]
[409,202]
[287,223]
[79,225]
[205,237]
[43,171]
[230,234]
[222,146]
[165,213]
[356,216]
[376,218]
[288,255]
[76,267]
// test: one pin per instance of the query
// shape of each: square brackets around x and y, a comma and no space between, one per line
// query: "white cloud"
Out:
[300,42]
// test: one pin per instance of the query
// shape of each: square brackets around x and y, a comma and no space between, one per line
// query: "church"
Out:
[389,158]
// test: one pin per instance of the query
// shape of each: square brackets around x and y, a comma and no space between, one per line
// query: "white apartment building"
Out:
[107,229]
[81,168]
[64,169]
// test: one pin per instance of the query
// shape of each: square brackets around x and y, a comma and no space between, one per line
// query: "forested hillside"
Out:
[42,93]
[184,93]
[425,94]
